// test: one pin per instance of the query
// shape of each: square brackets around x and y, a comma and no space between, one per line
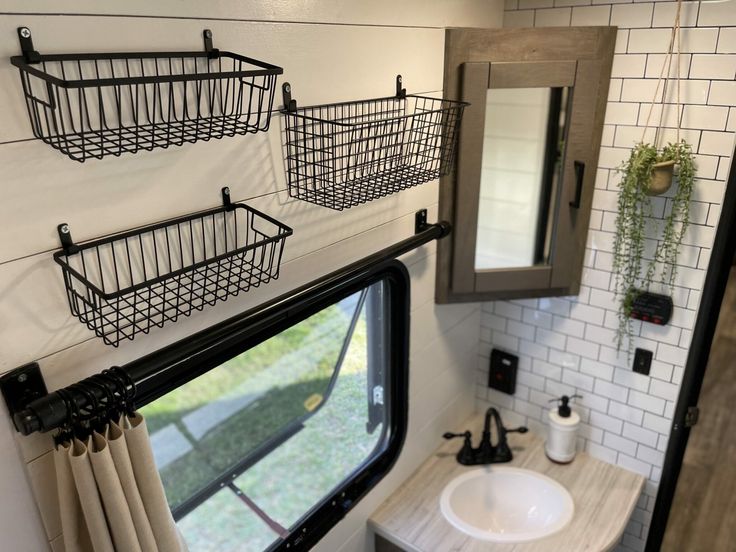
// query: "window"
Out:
[274,444]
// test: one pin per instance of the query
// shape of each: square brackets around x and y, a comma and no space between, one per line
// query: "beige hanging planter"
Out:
[661,180]
[663,171]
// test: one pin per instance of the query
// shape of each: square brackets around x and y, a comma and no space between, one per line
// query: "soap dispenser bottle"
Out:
[563,430]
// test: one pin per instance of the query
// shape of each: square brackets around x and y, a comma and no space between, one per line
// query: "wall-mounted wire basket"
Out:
[95,105]
[128,283]
[344,154]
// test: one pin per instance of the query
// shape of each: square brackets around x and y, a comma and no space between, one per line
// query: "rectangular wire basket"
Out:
[128,283]
[345,154]
[96,105]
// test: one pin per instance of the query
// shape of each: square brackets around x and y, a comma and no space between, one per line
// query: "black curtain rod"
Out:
[164,370]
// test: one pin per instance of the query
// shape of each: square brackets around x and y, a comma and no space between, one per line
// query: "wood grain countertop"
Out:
[604,497]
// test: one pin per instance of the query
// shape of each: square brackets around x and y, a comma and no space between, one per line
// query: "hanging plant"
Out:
[646,173]
[635,210]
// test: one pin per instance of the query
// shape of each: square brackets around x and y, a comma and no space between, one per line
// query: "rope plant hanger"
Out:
[649,172]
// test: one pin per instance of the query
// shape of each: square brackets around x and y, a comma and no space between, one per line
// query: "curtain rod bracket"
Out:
[420,221]
[20,387]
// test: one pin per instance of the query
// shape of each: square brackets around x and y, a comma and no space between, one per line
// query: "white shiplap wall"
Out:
[566,344]
[332,50]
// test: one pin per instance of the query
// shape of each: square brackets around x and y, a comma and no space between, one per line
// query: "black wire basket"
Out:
[128,283]
[95,105]
[345,154]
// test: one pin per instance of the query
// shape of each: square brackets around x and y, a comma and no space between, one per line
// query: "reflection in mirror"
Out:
[523,148]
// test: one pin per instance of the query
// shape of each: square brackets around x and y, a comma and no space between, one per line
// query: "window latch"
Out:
[378,395]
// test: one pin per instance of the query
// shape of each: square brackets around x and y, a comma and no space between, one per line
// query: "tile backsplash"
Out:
[566,345]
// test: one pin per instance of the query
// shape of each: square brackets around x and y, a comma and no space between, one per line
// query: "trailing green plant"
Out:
[635,213]
[677,219]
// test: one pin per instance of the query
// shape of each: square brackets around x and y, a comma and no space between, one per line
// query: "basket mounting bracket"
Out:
[289,103]
[226,201]
[26,45]
[65,236]
[400,91]
[212,52]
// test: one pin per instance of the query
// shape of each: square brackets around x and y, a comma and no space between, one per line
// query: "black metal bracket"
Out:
[420,221]
[26,45]
[400,91]
[226,200]
[212,52]
[289,104]
[65,236]
[20,387]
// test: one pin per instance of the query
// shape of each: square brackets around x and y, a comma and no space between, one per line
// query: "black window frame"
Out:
[235,340]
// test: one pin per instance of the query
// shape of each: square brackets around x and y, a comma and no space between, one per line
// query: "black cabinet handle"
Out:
[579,175]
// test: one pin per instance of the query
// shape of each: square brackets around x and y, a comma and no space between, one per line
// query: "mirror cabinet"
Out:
[521,195]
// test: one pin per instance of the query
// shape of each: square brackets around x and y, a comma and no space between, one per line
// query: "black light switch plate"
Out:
[502,375]
[642,361]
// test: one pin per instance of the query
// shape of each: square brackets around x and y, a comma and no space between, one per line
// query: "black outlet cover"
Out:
[642,361]
[502,374]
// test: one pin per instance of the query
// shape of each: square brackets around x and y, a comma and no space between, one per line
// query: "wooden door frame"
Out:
[714,288]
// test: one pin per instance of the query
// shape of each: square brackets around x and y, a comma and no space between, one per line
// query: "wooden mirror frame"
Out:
[477,59]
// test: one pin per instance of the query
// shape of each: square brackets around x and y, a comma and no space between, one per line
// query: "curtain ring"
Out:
[128,388]
[74,418]
[128,379]
[65,429]
[107,409]
[112,389]
[93,409]
[119,387]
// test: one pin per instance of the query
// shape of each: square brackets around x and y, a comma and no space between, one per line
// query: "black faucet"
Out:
[486,453]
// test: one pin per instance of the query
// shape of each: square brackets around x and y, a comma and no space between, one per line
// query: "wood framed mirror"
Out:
[520,198]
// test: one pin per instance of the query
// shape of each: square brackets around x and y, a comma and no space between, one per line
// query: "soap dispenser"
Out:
[563,430]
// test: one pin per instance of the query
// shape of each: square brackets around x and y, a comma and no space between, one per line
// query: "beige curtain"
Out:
[111,498]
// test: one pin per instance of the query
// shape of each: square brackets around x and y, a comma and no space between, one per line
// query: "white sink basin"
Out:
[504,504]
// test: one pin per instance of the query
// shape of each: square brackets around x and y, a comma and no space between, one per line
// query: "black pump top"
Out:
[564,409]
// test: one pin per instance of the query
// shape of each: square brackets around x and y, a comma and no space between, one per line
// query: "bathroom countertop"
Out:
[604,497]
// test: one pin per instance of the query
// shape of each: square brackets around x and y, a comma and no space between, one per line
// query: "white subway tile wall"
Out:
[566,344]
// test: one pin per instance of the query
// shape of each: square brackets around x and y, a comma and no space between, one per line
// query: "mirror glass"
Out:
[523,147]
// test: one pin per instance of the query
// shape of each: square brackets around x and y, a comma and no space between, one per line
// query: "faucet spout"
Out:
[492,413]
[486,453]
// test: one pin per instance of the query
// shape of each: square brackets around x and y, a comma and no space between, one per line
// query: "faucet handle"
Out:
[450,435]
[521,429]
[466,455]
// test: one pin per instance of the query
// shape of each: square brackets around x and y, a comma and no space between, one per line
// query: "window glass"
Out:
[249,448]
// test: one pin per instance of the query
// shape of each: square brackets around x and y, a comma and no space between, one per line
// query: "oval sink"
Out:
[504,504]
